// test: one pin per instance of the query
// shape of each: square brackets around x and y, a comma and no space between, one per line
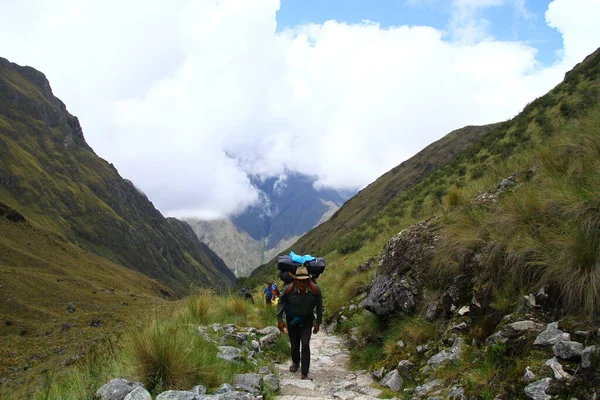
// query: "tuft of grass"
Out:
[161,356]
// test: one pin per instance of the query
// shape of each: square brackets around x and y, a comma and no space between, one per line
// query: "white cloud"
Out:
[186,99]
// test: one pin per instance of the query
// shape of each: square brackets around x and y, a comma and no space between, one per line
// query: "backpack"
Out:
[286,265]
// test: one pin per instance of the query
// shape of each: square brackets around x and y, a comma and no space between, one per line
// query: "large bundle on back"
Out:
[287,265]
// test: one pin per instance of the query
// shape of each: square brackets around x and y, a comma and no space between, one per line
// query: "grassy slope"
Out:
[49,173]
[539,120]
[40,272]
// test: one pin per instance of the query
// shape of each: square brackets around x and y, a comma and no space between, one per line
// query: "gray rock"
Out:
[225,388]
[255,346]
[117,389]
[451,355]
[251,380]
[70,307]
[271,382]
[378,374]
[457,293]
[264,370]
[525,326]
[217,327]
[393,380]
[266,342]
[229,328]
[588,355]
[198,389]
[428,387]
[229,353]
[138,393]
[432,311]
[551,336]
[557,368]
[268,330]
[528,376]
[235,396]
[405,366]
[422,348]
[537,390]
[456,393]
[177,395]
[461,327]
[568,350]
[241,337]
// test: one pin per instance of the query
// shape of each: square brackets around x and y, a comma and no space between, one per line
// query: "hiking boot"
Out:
[305,377]
[293,367]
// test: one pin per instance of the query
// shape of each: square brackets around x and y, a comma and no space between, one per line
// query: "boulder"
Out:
[268,330]
[428,387]
[138,393]
[229,353]
[177,395]
[403,263]
[537,390]
[393,380]
[589,355]
[251,380]
[568,350]
[557,369]
[271,383]
[268,341]
[117,389]
[225,388]
[551,336]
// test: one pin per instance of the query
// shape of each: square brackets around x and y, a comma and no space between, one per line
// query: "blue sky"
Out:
[507,21]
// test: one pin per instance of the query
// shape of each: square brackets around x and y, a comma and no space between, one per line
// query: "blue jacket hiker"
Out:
[270,291]
[298,301]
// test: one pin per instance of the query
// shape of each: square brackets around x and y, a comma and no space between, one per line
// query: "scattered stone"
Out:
[269,341]
[588,355]
[117,389]
[96,323]
[464,310]
[70,307]
[529,376]
[432,311]
[271,383]
[268,330]
[241,337]
[138,394]
[456,393]
[251,380]
[393,380]
[428,387]
[198,389]
[537,390]
[255,346]
[229,328]
[378,374]
[217,327]
[236,396]
[176,395]
[229,353]
[405,367]
[264,370]
[400,343]
[557,368]
[451,355]
[526,326]
[225,388]
[422,348]
[461,327]
[551,336]
[568,350]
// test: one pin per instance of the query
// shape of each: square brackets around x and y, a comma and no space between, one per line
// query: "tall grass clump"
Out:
[161,356]
[545,232]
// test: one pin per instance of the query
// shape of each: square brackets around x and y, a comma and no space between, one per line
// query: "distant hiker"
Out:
[247,295]
[298,301]
[270,292]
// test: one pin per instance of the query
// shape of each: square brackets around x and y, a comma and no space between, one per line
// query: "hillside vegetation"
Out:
[352,227]
[49,174]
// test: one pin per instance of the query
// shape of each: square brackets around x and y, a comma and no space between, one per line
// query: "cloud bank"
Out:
[186,99]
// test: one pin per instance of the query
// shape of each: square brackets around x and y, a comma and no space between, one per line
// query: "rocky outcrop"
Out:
[404,261]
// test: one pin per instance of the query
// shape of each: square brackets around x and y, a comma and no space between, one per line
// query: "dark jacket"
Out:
[296,305]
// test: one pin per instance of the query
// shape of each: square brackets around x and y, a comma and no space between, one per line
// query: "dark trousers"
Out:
[300,335]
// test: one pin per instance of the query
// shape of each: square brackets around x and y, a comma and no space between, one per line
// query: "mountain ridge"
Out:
[50,174]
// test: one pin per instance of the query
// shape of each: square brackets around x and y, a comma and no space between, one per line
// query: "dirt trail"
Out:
[330,376]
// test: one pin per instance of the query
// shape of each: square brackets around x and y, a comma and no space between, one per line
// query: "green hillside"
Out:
[415,189]
[49,174]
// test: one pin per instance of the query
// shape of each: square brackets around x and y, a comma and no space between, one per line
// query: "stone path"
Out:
[330,376]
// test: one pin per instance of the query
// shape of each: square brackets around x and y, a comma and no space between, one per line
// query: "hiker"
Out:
[298,301]
[270,292]
[247,295]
